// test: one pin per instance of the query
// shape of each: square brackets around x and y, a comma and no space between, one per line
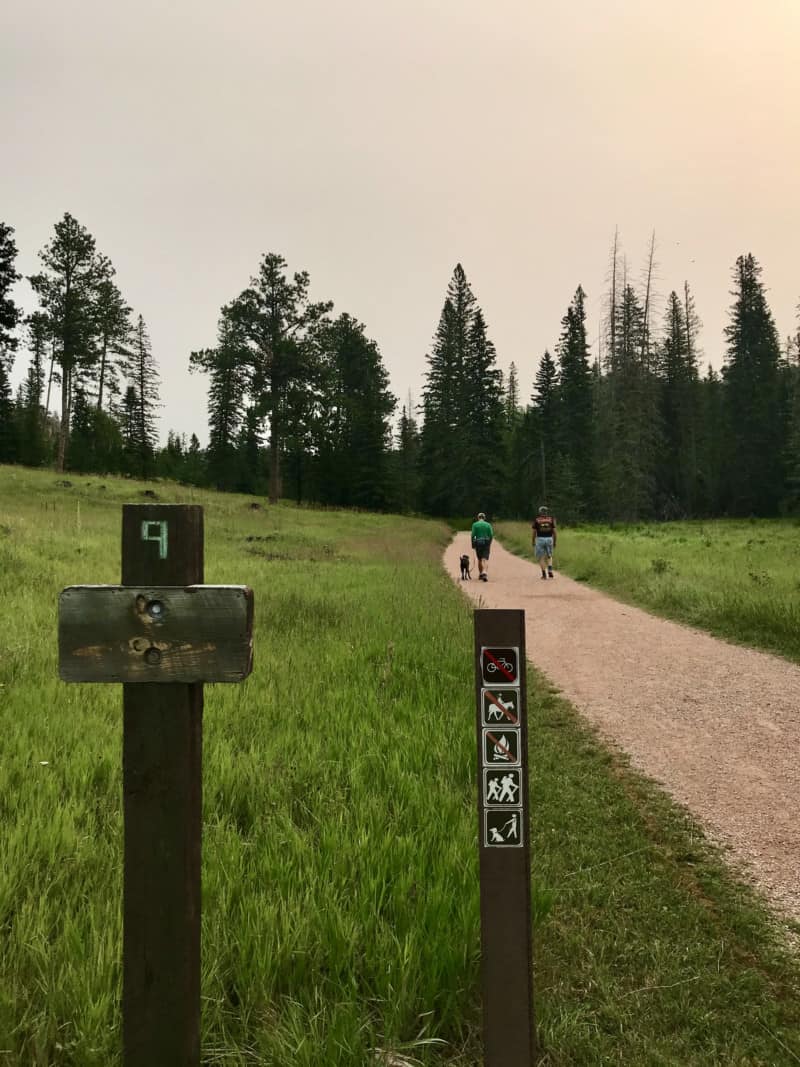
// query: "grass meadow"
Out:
[340,893]
[739,579]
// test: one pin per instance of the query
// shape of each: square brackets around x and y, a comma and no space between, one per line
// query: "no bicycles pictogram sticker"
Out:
[500,666]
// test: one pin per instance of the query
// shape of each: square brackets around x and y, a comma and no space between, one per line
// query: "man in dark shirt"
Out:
[544,541]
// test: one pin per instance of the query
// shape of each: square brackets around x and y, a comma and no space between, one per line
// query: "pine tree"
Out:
[755,444]
[112,318]
[406,459]
[447,474]
[304,430]
[711,446]
[516,498]
[484,443]
[545,405]
[511,401]
[575,411]
[33,446]
[81,442]
[356,406]
[170,458]
[227,365]
[9,318]
[128,418]
[792,458]
[9,312]
[679,409]
[66,291]
[274,315]
[461,440]
[250,471]
[142,375]
[628,436]
[194,470]
[443,477]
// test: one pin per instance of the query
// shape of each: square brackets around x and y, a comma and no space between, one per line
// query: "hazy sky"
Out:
[375,143]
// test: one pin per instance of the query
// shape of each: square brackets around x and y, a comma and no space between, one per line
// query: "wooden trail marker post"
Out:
[509,1032]
[162,634]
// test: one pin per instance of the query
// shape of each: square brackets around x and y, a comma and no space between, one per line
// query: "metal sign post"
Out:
[509,1034]
[162,634]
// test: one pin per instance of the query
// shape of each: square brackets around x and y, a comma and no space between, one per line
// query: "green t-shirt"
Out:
[482,530]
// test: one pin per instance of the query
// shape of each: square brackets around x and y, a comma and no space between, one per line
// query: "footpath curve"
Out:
[717,725]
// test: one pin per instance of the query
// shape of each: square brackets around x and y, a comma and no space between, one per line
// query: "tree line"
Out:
[83,338]
[299,403]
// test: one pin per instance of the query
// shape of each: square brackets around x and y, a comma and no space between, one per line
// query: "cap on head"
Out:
[481,515]
[543,509]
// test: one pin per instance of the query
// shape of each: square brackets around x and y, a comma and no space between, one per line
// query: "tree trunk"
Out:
[63,430]
[613,339]
[645,353]
[102,377]
[274,460]
[50,376]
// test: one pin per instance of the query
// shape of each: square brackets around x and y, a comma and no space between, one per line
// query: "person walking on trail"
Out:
[544,541]
[482,535]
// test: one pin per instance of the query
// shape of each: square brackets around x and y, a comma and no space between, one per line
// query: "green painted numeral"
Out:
[156,531]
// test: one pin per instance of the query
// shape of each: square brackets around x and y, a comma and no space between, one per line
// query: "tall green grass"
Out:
[339,867]
[736,579]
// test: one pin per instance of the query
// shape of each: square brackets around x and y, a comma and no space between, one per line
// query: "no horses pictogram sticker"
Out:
[500,666]
[500,706]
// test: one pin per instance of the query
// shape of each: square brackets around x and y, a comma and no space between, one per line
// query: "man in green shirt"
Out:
[482,535]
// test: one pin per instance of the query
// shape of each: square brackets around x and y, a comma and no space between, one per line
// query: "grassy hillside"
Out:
[340,869]
[737,579]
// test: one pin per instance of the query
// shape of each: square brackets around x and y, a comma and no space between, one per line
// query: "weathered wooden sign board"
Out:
[118,633]
[162,634]
[509,1033]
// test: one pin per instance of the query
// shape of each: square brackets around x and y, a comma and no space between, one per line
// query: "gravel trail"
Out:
[716,724]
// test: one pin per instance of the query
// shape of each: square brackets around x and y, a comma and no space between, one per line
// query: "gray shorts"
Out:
[543,548]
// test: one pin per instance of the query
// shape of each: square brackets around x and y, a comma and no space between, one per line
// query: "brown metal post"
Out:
[509,1032]
[162,545]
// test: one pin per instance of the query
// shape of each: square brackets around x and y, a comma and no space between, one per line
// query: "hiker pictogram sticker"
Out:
[501,747]
[502,828]
[502,787]
[500,707]
[500,666]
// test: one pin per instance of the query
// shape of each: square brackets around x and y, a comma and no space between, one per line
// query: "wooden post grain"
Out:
[162,545]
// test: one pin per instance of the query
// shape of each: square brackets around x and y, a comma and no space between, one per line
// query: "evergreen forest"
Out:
[300,405]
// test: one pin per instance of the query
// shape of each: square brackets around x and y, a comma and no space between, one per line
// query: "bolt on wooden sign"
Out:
[504,849]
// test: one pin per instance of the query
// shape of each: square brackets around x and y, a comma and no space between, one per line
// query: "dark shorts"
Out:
[482,547]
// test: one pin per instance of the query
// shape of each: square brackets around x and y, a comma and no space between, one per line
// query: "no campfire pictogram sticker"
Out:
[500,666]
[501,747]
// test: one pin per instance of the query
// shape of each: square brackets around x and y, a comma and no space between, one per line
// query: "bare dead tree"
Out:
[648,302]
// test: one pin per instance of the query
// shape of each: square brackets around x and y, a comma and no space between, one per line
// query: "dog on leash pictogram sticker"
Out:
[502,786]
[502,828]
[500,707]
[500,666]
[501,747]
